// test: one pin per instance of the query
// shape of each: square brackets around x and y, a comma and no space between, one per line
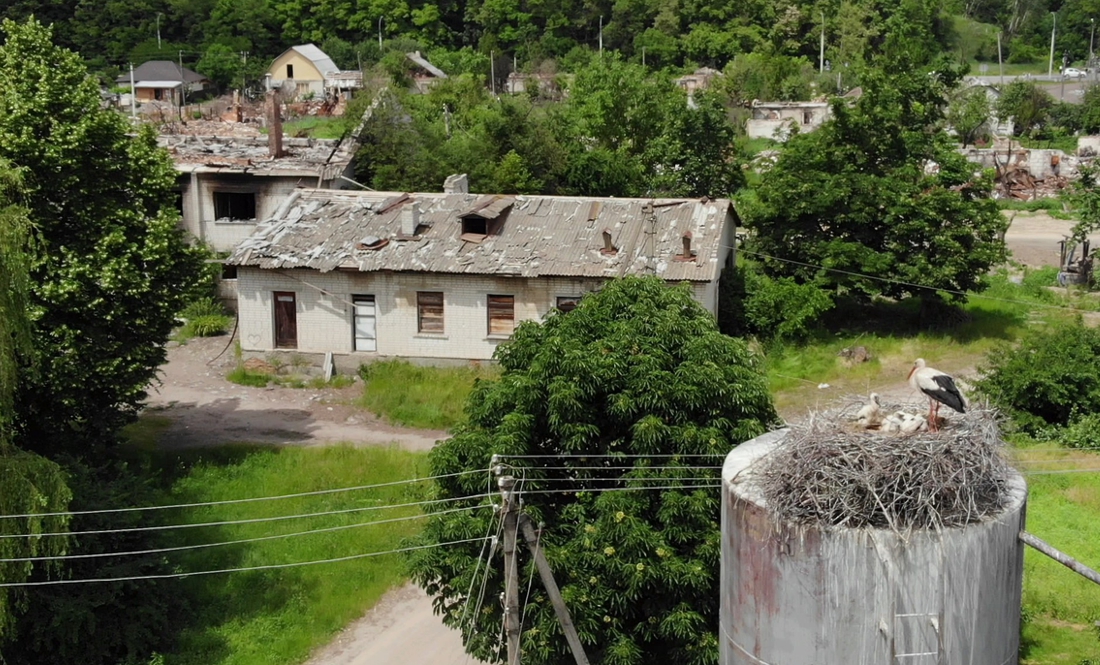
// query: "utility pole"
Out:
[1092,56]
[133,94]
[1054,28]
[183,86]
[380,35]
[601,35]
[553,592]
[158,31]
[510,509]
[821,56]
[1000,63]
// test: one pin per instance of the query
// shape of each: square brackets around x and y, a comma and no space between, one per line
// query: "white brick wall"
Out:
[324,319]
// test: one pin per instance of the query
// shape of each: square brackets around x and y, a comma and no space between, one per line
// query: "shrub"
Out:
[208,325]
[202,307]
[1052,375]
[773,309]
[1083,433]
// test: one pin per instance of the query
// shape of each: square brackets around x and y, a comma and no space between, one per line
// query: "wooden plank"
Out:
[502,315]
[430,311]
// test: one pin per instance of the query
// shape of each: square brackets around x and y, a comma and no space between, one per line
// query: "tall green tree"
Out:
[29,484]
[1026,104]
[878,200]
[112,267]
[634,388]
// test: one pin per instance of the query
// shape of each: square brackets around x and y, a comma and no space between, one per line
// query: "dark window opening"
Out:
[429,314]
[568,303]
[502,315]
[235,205]
[475,226]
[229,272]
[179,202]
[807,118]
[290,71]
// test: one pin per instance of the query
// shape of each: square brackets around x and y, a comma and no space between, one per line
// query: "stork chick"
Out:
[940,389]
[870,415]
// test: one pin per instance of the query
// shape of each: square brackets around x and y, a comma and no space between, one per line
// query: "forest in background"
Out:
[531,34]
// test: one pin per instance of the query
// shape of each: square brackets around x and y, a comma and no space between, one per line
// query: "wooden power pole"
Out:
[553,592]
[510,509]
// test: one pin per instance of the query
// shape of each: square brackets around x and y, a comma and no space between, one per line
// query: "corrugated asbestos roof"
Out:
[531,236]
[319,58]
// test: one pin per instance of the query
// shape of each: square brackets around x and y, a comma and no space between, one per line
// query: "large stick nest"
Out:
[831,472]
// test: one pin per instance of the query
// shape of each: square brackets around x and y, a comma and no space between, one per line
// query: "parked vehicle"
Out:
[1073,73]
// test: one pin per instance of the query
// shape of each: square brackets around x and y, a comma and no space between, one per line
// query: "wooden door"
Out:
[366,329]
[286,320]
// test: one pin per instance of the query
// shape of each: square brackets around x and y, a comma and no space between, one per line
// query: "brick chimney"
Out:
[274,125]
[456,184]
[410,220]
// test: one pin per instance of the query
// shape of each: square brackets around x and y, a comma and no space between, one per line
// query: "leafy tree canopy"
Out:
[639,379]
[880,190]
[110,269]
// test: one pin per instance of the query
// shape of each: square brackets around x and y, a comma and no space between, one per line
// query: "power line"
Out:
[180,548]
[625,489]
[237,570]
[234,501]
[242,521]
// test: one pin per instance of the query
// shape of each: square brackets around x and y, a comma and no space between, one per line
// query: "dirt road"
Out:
[1033,238]
[401,629]
[207,410]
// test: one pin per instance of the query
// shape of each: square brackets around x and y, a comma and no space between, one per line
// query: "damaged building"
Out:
[448,276]
[228,184]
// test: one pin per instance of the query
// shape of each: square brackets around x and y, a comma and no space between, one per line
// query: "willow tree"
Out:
[635,389]
[29,485]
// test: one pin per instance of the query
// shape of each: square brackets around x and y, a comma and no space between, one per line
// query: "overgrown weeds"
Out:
[429,397]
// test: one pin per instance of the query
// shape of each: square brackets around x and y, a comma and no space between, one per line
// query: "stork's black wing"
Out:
[948,393]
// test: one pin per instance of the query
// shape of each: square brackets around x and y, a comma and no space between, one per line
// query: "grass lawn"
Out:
[415,396]
[1063,509]
[270,617]
[315,127]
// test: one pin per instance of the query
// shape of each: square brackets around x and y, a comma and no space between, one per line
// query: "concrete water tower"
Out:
[798,594]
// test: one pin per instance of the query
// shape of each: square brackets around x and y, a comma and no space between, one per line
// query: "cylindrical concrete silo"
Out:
[803,595]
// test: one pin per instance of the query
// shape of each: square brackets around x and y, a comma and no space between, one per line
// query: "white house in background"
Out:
[447,276]
[778,120]
[162,81]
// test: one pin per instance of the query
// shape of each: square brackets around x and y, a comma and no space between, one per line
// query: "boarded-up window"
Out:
[429,311]
[502,315]
[568,303]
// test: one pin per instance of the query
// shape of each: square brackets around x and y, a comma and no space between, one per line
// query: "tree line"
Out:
[661,33]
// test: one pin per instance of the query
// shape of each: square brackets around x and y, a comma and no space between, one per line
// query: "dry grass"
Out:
[829,471]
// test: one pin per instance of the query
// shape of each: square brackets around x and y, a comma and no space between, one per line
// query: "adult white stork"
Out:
[940,389]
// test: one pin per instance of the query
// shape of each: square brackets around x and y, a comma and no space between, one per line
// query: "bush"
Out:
[773,309]
[1049,378]
[1083,433]
[202,307]
[209,325]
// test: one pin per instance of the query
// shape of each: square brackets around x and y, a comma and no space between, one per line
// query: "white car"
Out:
[1073,73]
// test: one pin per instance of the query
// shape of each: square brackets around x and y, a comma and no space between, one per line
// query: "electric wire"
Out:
[225,502]
[477,564]
[254,520]
[274,566]
[242,541]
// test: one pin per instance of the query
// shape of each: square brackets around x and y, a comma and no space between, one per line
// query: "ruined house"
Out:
[778,120]
[700,79]
[423,73]
[448,276]
[229,183]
